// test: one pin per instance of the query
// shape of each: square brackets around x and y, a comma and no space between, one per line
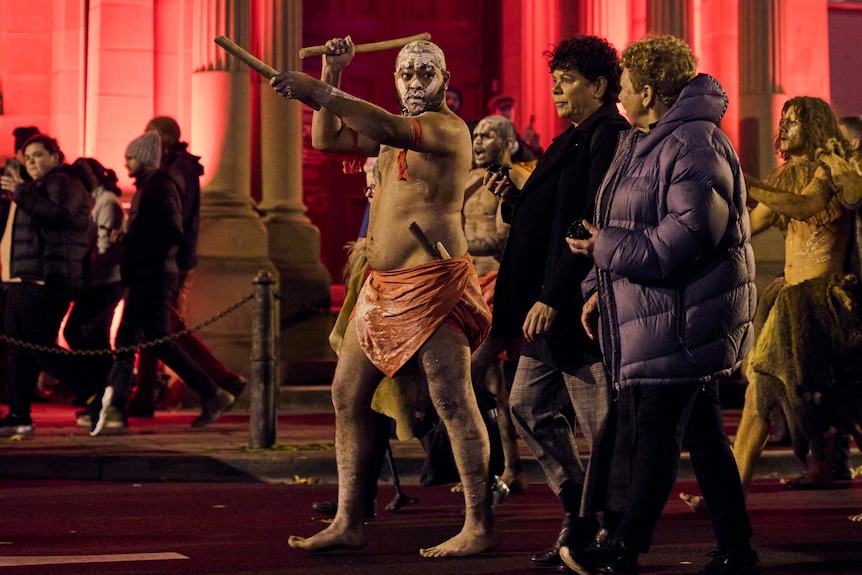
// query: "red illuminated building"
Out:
[92,72]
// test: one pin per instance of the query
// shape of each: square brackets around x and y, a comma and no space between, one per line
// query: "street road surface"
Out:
[105,528]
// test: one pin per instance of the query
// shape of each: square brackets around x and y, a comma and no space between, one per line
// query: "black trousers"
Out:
[33,314]
[146,317]
[670,417]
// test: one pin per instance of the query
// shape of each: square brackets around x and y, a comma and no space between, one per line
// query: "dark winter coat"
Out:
[674,267]
[537,265]
[155,229]
[189,169]
[51,230]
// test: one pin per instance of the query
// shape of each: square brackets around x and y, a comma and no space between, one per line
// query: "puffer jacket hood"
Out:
[674,267]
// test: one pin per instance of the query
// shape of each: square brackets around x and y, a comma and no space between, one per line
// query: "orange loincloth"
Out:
[398,310]
[487,283]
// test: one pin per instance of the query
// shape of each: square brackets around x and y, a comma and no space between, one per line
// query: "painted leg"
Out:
[354,384]
[445,362]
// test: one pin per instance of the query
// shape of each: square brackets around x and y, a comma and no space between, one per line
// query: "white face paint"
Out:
[420,81]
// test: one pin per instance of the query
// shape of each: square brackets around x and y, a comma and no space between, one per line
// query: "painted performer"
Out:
[419,308]
[806,359]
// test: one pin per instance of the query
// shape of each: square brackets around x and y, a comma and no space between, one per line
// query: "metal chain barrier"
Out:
[129,348]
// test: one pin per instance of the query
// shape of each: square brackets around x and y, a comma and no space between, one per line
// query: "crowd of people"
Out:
[612,272]
[617,269]
[68,243]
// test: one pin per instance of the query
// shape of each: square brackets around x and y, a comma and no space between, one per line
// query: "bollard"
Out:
[262,406]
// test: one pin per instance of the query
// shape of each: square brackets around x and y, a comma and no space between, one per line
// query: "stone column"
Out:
[233,244]
[615,21]
[294,242]
[760,105]
[669,17]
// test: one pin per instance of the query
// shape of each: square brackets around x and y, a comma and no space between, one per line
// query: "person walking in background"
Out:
[187,170]
[88,326]
[44,255]
[537,296]
[149,274]
[671,299]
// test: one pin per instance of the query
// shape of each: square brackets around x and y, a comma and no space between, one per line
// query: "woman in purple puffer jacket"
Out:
[671,299]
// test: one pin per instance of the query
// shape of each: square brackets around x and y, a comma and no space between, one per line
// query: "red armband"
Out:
[402,155]
[354,161]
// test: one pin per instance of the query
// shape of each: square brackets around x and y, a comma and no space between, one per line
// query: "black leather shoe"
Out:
[604,555]
[330,508]
[551,557]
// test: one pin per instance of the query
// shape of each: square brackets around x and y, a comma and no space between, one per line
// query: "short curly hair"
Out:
[592,57]
[665,63]
[819,126]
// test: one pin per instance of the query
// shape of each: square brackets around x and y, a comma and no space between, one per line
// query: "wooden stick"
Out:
[423,241]
[372,47]
[253,62]
[245,57]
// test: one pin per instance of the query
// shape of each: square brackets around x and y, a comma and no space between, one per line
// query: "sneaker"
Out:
[727,564]
[14,425]
[114,419]
[98,409]
[213,408]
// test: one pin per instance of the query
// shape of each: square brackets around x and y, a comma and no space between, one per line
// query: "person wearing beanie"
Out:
[145,150]
[187,170]
[149,273]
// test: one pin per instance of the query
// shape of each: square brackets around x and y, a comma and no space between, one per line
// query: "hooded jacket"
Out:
[179,161]
[674,268]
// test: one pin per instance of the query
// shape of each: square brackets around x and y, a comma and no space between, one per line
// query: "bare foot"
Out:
[806,482]
[463,545]
[457,488]
[330,539]
[695,502]
[856,518]
[401,500]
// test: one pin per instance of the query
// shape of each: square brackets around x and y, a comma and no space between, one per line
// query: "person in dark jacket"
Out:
[187,170]
[671,298]
[45,250]
[148,270]
[537,295]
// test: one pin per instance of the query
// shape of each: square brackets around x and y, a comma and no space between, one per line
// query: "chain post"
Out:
[262,407]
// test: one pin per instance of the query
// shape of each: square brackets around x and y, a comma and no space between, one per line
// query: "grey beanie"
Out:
[146,149]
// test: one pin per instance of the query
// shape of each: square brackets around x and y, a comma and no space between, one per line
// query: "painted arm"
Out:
[375,125]
[813,198]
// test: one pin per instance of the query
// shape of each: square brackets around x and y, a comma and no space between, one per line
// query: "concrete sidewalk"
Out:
[165,448]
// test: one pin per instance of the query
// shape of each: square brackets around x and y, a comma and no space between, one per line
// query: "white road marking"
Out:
[66,559]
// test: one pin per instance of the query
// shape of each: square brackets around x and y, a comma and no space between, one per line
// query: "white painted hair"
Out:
[413,50]
[502,125]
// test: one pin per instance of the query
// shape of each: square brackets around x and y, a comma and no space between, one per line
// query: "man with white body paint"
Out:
[418,309]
